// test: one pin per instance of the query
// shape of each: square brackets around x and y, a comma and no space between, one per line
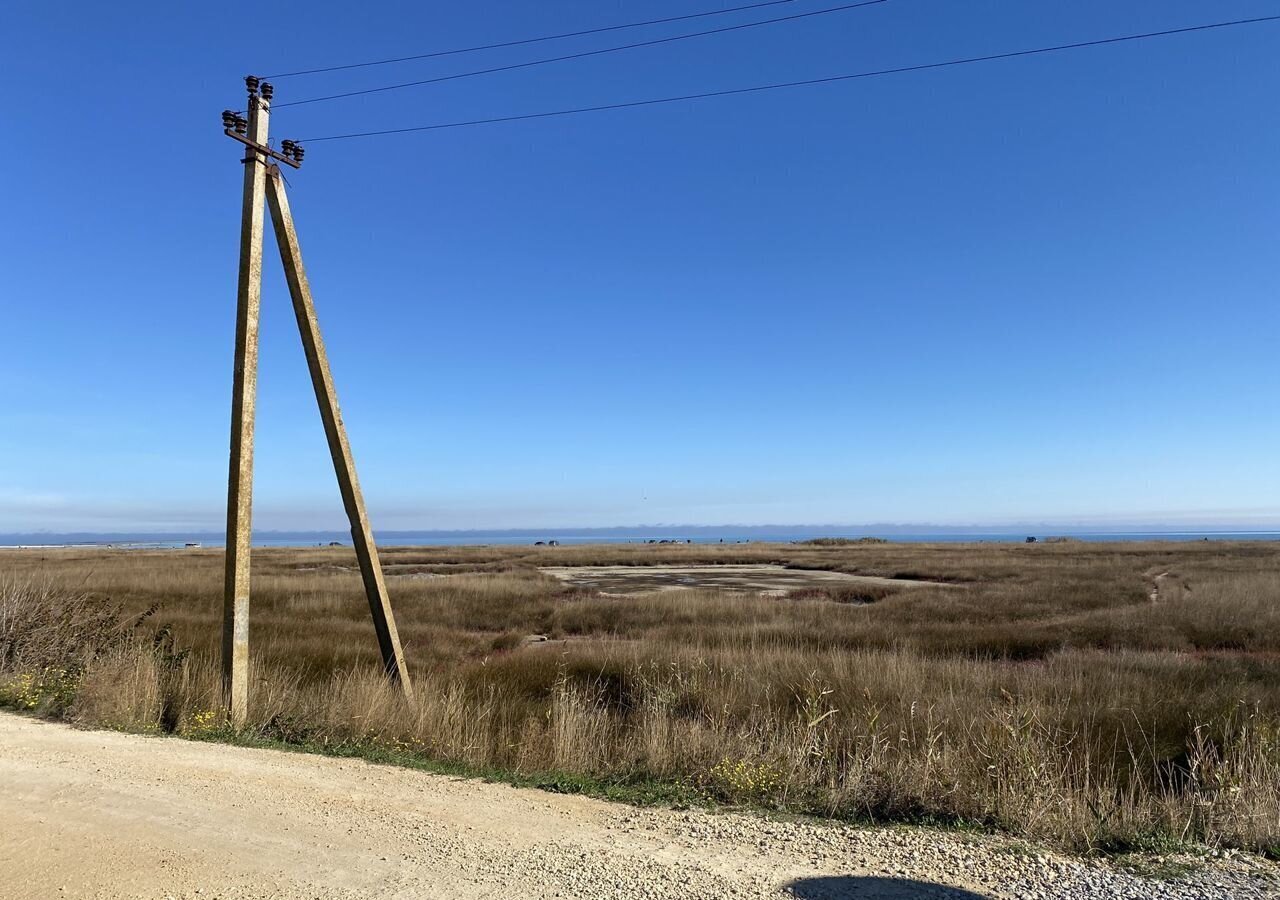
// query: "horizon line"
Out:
[1132,527]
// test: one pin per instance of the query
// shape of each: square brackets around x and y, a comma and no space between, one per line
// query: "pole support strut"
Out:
[344,466]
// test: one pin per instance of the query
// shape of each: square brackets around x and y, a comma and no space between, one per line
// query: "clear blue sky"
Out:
[1041,289]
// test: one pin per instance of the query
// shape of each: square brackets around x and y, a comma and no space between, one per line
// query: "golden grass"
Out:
[1047,694]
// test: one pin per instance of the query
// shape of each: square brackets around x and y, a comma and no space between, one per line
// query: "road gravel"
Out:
[109,815]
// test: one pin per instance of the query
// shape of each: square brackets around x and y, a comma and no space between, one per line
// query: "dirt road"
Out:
[102,814]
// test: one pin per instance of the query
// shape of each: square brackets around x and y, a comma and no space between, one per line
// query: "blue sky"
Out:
[1040,289]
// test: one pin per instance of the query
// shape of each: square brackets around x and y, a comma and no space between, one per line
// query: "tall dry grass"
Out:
[1046,695]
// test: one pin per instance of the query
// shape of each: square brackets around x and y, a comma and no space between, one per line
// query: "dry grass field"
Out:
[1097,696]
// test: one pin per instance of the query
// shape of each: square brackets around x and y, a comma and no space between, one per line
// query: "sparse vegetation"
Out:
[1048,694]
[842,542]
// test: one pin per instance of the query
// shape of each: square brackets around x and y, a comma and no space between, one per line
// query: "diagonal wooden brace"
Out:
[343,463]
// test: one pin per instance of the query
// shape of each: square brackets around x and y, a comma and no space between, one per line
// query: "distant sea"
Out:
[697,534]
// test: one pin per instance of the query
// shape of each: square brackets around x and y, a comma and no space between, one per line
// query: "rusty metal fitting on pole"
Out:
[292,151]
[292,161]
[236,126]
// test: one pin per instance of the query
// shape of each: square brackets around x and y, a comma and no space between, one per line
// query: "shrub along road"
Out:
[112,815]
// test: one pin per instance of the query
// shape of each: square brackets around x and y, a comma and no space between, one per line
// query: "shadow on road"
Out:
[849,887]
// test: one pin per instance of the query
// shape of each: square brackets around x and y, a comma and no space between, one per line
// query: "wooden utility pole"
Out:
[344,466]
[235,611]
[261,177]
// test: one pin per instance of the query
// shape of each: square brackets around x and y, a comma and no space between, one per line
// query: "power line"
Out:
[533,40]
[584,54]
[812,81]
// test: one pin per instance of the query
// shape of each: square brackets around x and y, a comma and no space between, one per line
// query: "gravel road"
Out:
[101,814]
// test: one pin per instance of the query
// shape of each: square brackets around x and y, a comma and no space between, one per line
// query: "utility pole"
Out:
[235,611]
[262,177]
[344,466]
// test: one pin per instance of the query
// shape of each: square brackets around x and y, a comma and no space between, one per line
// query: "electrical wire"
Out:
[533,40]
[791,84]
[582,55]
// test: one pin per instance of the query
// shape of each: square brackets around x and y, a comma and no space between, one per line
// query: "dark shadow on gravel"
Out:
[849,887]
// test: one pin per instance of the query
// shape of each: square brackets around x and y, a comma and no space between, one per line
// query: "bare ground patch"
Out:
[766,579]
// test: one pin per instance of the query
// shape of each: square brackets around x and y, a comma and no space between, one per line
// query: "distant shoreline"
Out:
[693,534]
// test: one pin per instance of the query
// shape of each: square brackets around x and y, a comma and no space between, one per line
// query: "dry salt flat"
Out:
[753,578]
